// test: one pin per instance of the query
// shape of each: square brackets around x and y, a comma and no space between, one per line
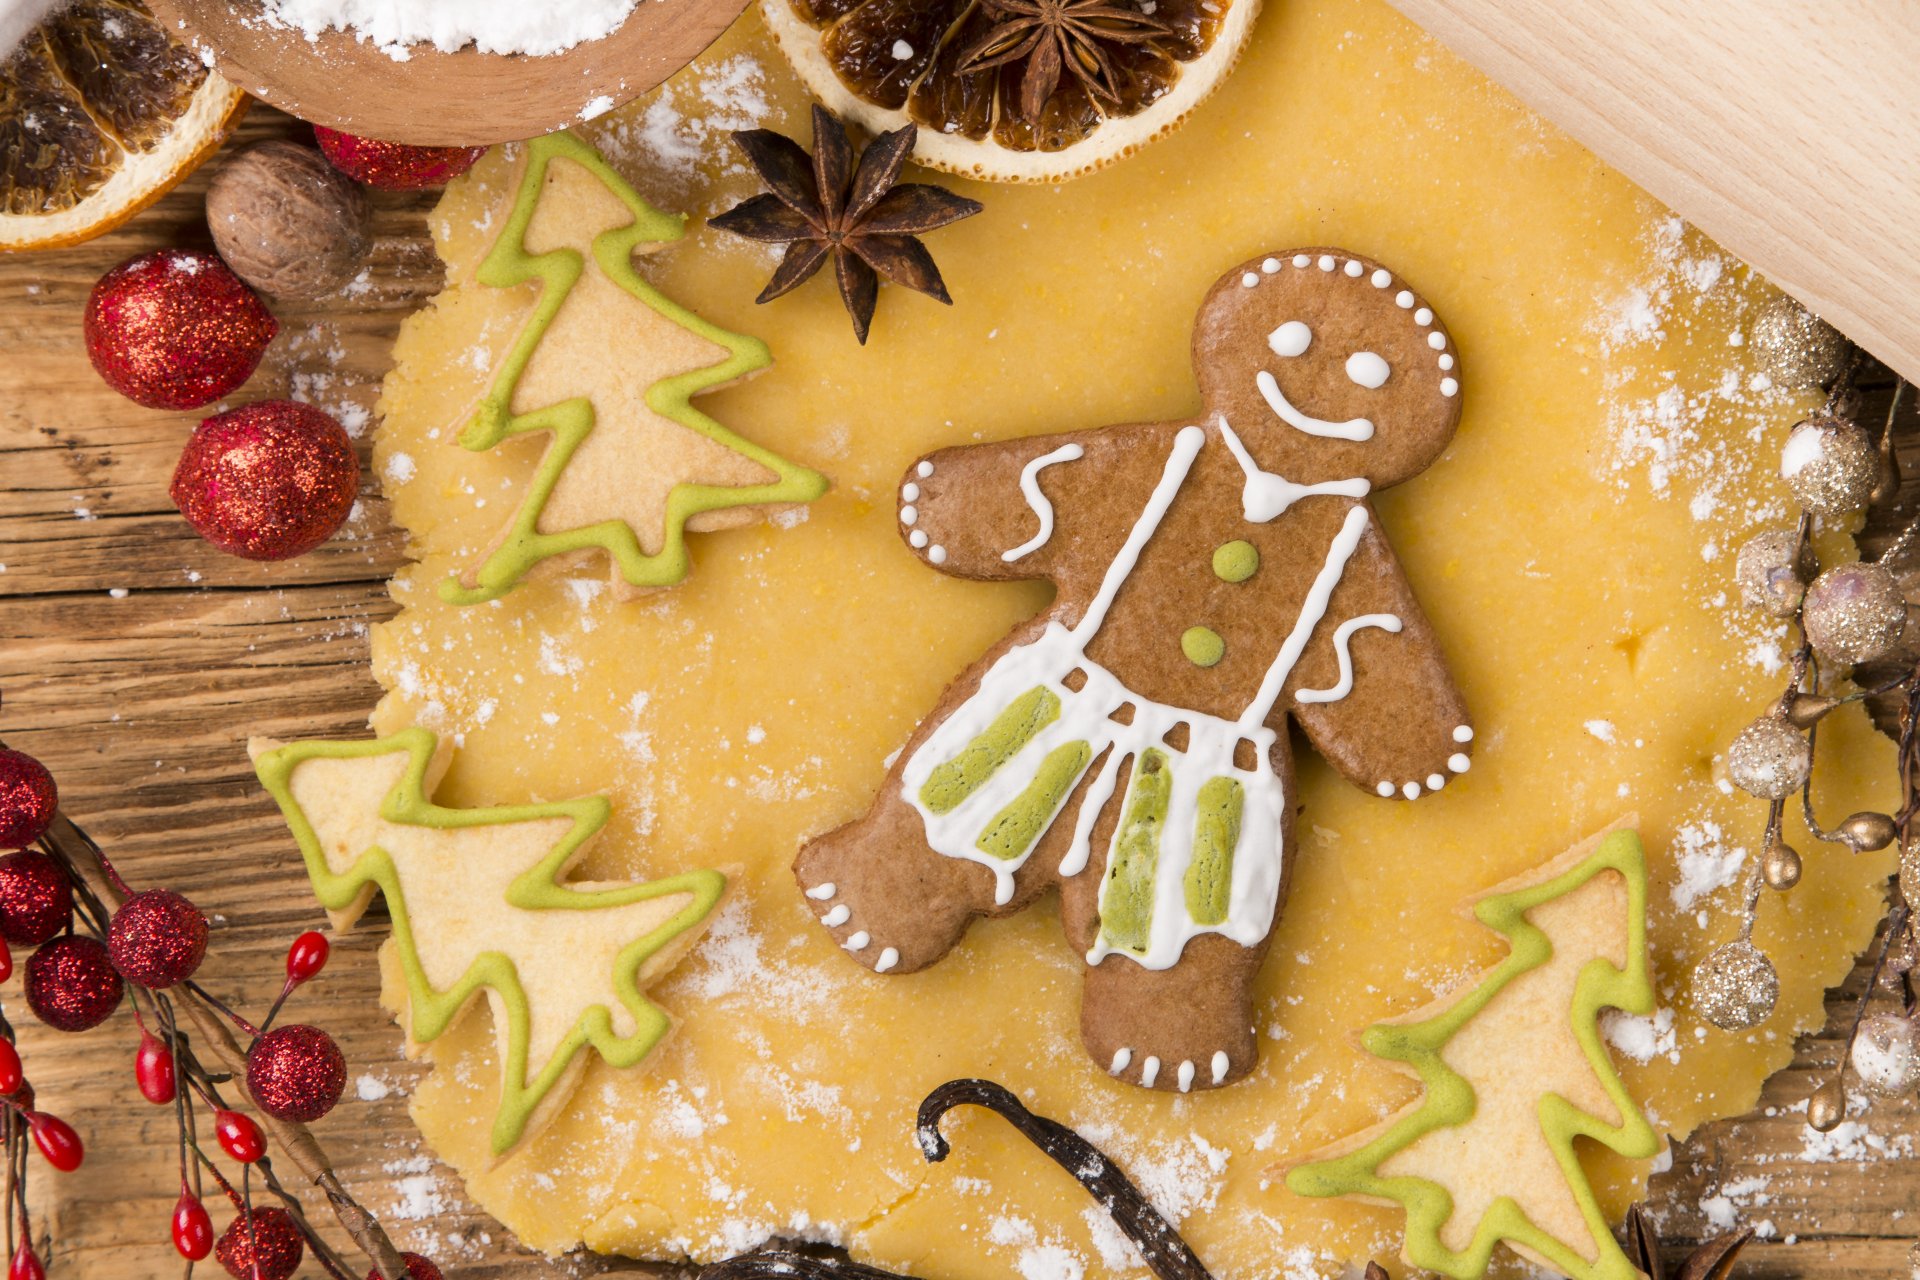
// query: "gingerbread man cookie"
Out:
[1129,745]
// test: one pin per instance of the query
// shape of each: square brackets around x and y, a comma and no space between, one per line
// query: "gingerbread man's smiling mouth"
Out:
[1352,429]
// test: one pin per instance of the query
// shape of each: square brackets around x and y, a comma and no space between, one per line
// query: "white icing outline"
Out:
[1341,639]
[1030,488]
[1352,429]
[1265,495]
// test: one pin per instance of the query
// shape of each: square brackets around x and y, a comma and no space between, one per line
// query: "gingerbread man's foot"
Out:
[893,903]
[1184,1028]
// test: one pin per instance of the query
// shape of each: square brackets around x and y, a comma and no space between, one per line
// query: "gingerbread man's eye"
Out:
[1290,339]
[1367,370]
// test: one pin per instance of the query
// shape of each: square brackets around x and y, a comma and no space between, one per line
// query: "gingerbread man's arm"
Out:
[1013,509]
[1372,691]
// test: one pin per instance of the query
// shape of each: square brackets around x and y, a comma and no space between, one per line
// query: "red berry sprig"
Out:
[192,1227]
[176,329]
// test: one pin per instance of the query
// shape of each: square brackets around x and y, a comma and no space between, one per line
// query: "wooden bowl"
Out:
[466,98]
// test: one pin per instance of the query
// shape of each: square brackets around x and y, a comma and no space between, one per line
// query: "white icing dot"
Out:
[1220,1066]
[1270,266]
[910,493]
[1250,279]
[1186,1076]
[925,469]
[1355,269]
[888,959]
[1459,762]
[1411,791]
[918,538]
[1365,369]
[1301,260]
[1327,263]
[1149,1071]
[1435,781]
[1436,340]
[1448,386]
[1403,299]
[1382,278]
[837,917]
[1385,789]
[902,51]
[1463,733]
[1121,1057]
[937,553]
[1423,317]
[822,892]
[1290,339]
[909,514]
[859,941]
[1446,361]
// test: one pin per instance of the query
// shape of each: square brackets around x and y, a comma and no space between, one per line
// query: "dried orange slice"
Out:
[1014,90]
[100,114]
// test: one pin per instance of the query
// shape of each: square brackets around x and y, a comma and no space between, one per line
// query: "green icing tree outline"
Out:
[1449,1098]
[509,263]
[539,888]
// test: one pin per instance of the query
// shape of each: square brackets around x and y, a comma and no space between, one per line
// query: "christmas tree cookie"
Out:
[480,901]
[606,368]
[1512,1070]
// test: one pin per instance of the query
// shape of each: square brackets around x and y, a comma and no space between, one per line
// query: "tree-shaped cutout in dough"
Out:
[607,367]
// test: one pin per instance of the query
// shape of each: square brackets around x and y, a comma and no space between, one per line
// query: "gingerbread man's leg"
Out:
[886,896]
[1182,1028]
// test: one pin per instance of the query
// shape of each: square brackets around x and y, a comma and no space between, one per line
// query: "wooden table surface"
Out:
[134,658]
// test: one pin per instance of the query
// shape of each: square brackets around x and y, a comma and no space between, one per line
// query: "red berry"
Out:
[305,958]
[36,898]
[72,984]
[239,1136]
[12,1074]
[25,1264]
[27,799]
[418,1268]
[192,1228]
[394,166]
[153,1069]
[175,329]
[296,1072]
[57,1141]
[268,1249]
[6,961]
[157,939]
[267,481]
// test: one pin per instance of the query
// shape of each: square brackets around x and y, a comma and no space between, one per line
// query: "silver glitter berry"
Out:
[1772,573]
[1855,613]
[1736,987]
[1769,758]
[1886,1053]
[1831,466]
[1796,348]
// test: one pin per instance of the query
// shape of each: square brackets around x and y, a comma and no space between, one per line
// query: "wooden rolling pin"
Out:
[1788,130]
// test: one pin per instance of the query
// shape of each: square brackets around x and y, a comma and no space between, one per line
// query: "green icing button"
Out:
[1235,561]
[1203,646]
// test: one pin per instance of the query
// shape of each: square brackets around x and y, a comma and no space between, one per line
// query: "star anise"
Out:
[1058,37]
[864,217]
[1713,1260]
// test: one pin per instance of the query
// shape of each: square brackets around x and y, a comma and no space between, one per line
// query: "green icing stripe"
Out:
[1014,829]
[1216,831]
[508,264]
[538,889]
[1126,900]
[1449,1098]
[948,786]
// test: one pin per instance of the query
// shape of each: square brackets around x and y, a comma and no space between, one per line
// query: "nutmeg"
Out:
[287,222]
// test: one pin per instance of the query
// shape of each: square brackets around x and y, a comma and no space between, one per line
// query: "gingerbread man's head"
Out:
[1332,363]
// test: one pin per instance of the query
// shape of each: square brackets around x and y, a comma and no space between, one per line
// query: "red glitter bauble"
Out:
[394,166]
[296,1073]
[267,481]
[36,898]
[27,799]
[71,984]
[157,938]
[274,1236]
[418,1268]
[174,329]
